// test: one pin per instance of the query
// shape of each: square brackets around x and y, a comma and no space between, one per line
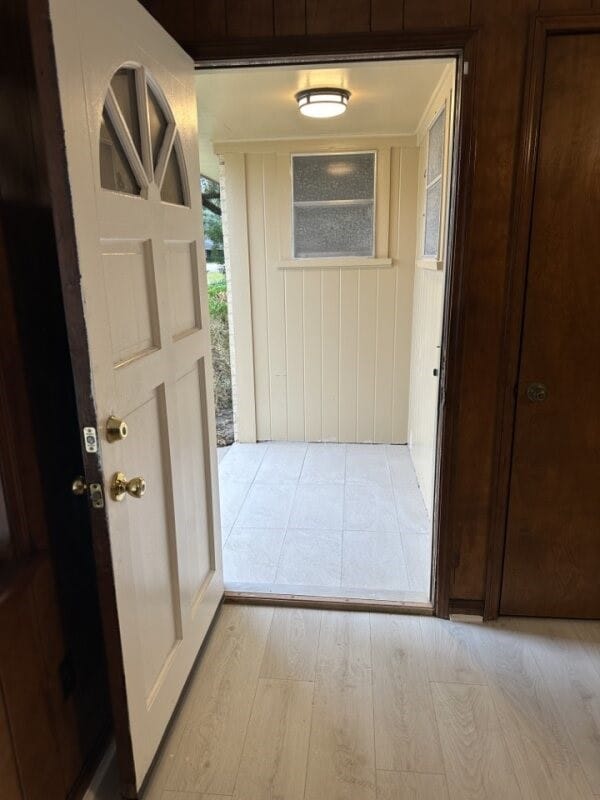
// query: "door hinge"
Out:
[465,67]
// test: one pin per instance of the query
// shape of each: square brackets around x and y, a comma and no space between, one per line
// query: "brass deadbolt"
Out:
[120,486]
[116,429]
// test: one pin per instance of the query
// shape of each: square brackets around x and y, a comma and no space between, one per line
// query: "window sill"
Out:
[335,262]
[430,263]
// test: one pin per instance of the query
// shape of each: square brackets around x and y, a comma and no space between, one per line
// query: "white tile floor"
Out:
[324,519]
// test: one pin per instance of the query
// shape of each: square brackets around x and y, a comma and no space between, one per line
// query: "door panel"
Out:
[135,184]
[552,559]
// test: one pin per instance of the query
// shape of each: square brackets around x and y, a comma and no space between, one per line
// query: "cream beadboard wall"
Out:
[428,304]
[321,349]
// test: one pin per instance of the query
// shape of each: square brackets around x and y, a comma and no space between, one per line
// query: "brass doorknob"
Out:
[120,486]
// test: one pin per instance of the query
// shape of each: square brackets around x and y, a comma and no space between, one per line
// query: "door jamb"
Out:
[542,28]
[373,47]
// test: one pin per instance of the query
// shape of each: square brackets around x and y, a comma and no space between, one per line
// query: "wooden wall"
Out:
[53,694]
[214,29]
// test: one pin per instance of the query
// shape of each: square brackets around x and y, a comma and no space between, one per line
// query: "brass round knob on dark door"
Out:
[537,392]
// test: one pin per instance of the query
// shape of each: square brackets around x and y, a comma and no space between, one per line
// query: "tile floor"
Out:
[343,520]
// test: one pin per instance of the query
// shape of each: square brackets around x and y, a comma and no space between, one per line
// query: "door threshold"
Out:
[328,603]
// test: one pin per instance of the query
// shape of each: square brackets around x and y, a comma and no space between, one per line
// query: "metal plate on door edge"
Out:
[96,495]
[90,439]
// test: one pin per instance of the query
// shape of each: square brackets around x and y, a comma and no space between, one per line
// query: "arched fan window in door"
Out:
[139,140]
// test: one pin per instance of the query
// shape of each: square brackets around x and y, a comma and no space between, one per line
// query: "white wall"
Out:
[322,353]
[428,309]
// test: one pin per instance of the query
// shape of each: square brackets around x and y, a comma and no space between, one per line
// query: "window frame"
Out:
[435,261]
[349,257]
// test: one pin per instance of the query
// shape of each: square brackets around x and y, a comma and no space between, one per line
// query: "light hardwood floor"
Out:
[299,704]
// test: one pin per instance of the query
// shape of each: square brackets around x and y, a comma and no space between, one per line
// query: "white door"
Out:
[129,115]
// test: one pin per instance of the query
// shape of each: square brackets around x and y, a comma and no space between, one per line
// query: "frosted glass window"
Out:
[436,140]
[334,205]
[333,231]
[435,148]
[433,207]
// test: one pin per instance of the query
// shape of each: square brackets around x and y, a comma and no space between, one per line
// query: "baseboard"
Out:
[457,607]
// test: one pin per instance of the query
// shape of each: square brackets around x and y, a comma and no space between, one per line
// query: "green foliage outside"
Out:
[217,297]
[213,228]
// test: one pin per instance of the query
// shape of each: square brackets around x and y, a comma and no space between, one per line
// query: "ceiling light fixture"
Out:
[322,103]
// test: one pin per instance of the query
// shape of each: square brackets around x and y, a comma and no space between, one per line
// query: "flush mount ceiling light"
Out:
[323,103]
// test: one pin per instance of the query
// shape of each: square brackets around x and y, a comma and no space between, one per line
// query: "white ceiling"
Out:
[258,103]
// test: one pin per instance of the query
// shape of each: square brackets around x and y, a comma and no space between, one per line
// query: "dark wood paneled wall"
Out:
[234,28]
[53,692]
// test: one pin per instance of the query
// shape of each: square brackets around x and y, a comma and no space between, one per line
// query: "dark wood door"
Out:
[552,560]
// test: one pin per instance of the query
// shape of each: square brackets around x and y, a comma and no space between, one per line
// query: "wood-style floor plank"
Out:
[589,635]
[477,761]
[167,795]
[406,735]
[344,651]
[341,762]
[571,673]
[519,719]
[291,651]
[410,786]
[275,753]
[544,759]
[450,654]
[222,694]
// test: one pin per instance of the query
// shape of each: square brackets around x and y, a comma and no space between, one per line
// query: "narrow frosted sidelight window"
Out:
[433,190]
[334,205]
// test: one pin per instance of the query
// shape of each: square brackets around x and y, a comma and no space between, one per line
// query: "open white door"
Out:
[130,134]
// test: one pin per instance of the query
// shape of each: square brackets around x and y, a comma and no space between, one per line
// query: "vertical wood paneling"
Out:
[32,724]
[249,18]
[210,21]
[348,353]
[177,18]
[566,6]
[331,346]
[367,344]
[386,16]
[384,363]
[427,319]
[275,166]
[426,338]
[331,354]
[402,238]
[436,14]
[258,289]
[313,388]
[289,17]
[500,79]
[9,777]
[294,324]
[338,16]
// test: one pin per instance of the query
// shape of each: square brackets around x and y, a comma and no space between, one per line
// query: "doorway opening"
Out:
[331,290]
